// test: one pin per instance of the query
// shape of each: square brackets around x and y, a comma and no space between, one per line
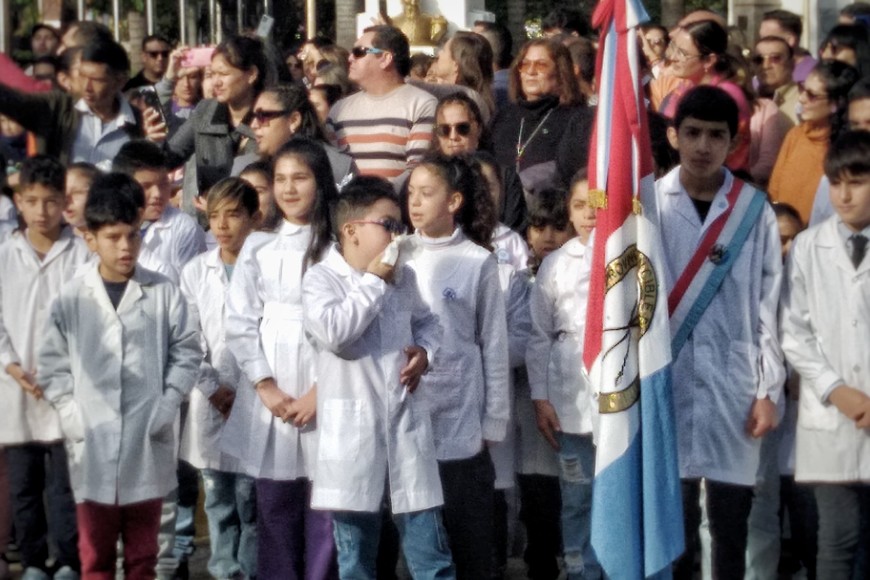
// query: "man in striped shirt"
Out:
[387,126]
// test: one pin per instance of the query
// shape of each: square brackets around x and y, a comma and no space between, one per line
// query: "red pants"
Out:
[100,525]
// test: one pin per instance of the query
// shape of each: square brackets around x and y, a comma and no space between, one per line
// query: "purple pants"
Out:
[293,541]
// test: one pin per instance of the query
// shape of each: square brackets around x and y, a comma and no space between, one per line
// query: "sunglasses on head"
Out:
[156,53]
[262,116]
[445,129]
[393,226]
[362,51]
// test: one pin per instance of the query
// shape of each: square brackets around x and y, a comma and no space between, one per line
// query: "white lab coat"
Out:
[467,389]
[555,353]
[371,431]
[264,332]
[733,355]
[826,337]
[510,248]
[171,242]
[516,293]
[535,456]
[27,288]
[117,379]
[204,284]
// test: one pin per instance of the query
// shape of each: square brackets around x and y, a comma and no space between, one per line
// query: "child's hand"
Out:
[24,380]
[853,403]
[418,362]
[163,421]
[223,400]
[277,401]
[548,422]
[304,409]
[383,271]
[762,418]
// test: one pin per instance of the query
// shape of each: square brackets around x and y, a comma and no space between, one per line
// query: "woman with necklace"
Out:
[544,132]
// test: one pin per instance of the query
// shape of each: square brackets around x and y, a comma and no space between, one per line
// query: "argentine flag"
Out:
[637,523]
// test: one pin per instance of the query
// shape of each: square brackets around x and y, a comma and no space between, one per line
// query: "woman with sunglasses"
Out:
[823,103]
[459,129]
[284,112]
[544,132]
[219,129]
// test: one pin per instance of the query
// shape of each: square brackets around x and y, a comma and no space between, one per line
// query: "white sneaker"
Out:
[66,573]
[32,573]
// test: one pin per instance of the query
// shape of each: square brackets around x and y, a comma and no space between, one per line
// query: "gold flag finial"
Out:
[636,206]
[597,199]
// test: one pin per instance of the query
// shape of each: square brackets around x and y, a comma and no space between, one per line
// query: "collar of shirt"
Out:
[781,94]
[291,229]
[846,233]
[671,184]
[435,243]
[125,112]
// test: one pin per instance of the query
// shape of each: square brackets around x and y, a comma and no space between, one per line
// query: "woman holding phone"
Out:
[218,129]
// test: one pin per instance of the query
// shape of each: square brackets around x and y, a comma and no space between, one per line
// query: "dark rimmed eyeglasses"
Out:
[362,51]
[156,53]
[262,116]
[393,226]
[445,129]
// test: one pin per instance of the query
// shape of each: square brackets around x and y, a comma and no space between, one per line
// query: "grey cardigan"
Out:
[208,136]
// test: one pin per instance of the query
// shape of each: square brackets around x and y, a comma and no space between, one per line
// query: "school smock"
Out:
[264,332]
[171,242]
[372,433]
[204,284]
[516,295]
[466,389]
[535,456]
[555,351]
[28,286]
[826,337]
[733,355]
[510,248]
[111,374]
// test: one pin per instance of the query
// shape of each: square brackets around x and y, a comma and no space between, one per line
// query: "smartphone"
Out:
[148,95]
[265,27]
[197,57]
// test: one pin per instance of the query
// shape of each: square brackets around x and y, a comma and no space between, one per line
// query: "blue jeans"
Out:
[842,507]
[231,507]
[424,543]
[576,472]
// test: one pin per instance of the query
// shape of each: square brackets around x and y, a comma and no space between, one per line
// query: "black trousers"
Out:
[728,509]
[468,486]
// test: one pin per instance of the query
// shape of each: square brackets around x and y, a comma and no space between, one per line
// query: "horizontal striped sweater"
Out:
[386,134]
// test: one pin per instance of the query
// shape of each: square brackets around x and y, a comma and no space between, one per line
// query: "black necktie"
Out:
[859,249]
